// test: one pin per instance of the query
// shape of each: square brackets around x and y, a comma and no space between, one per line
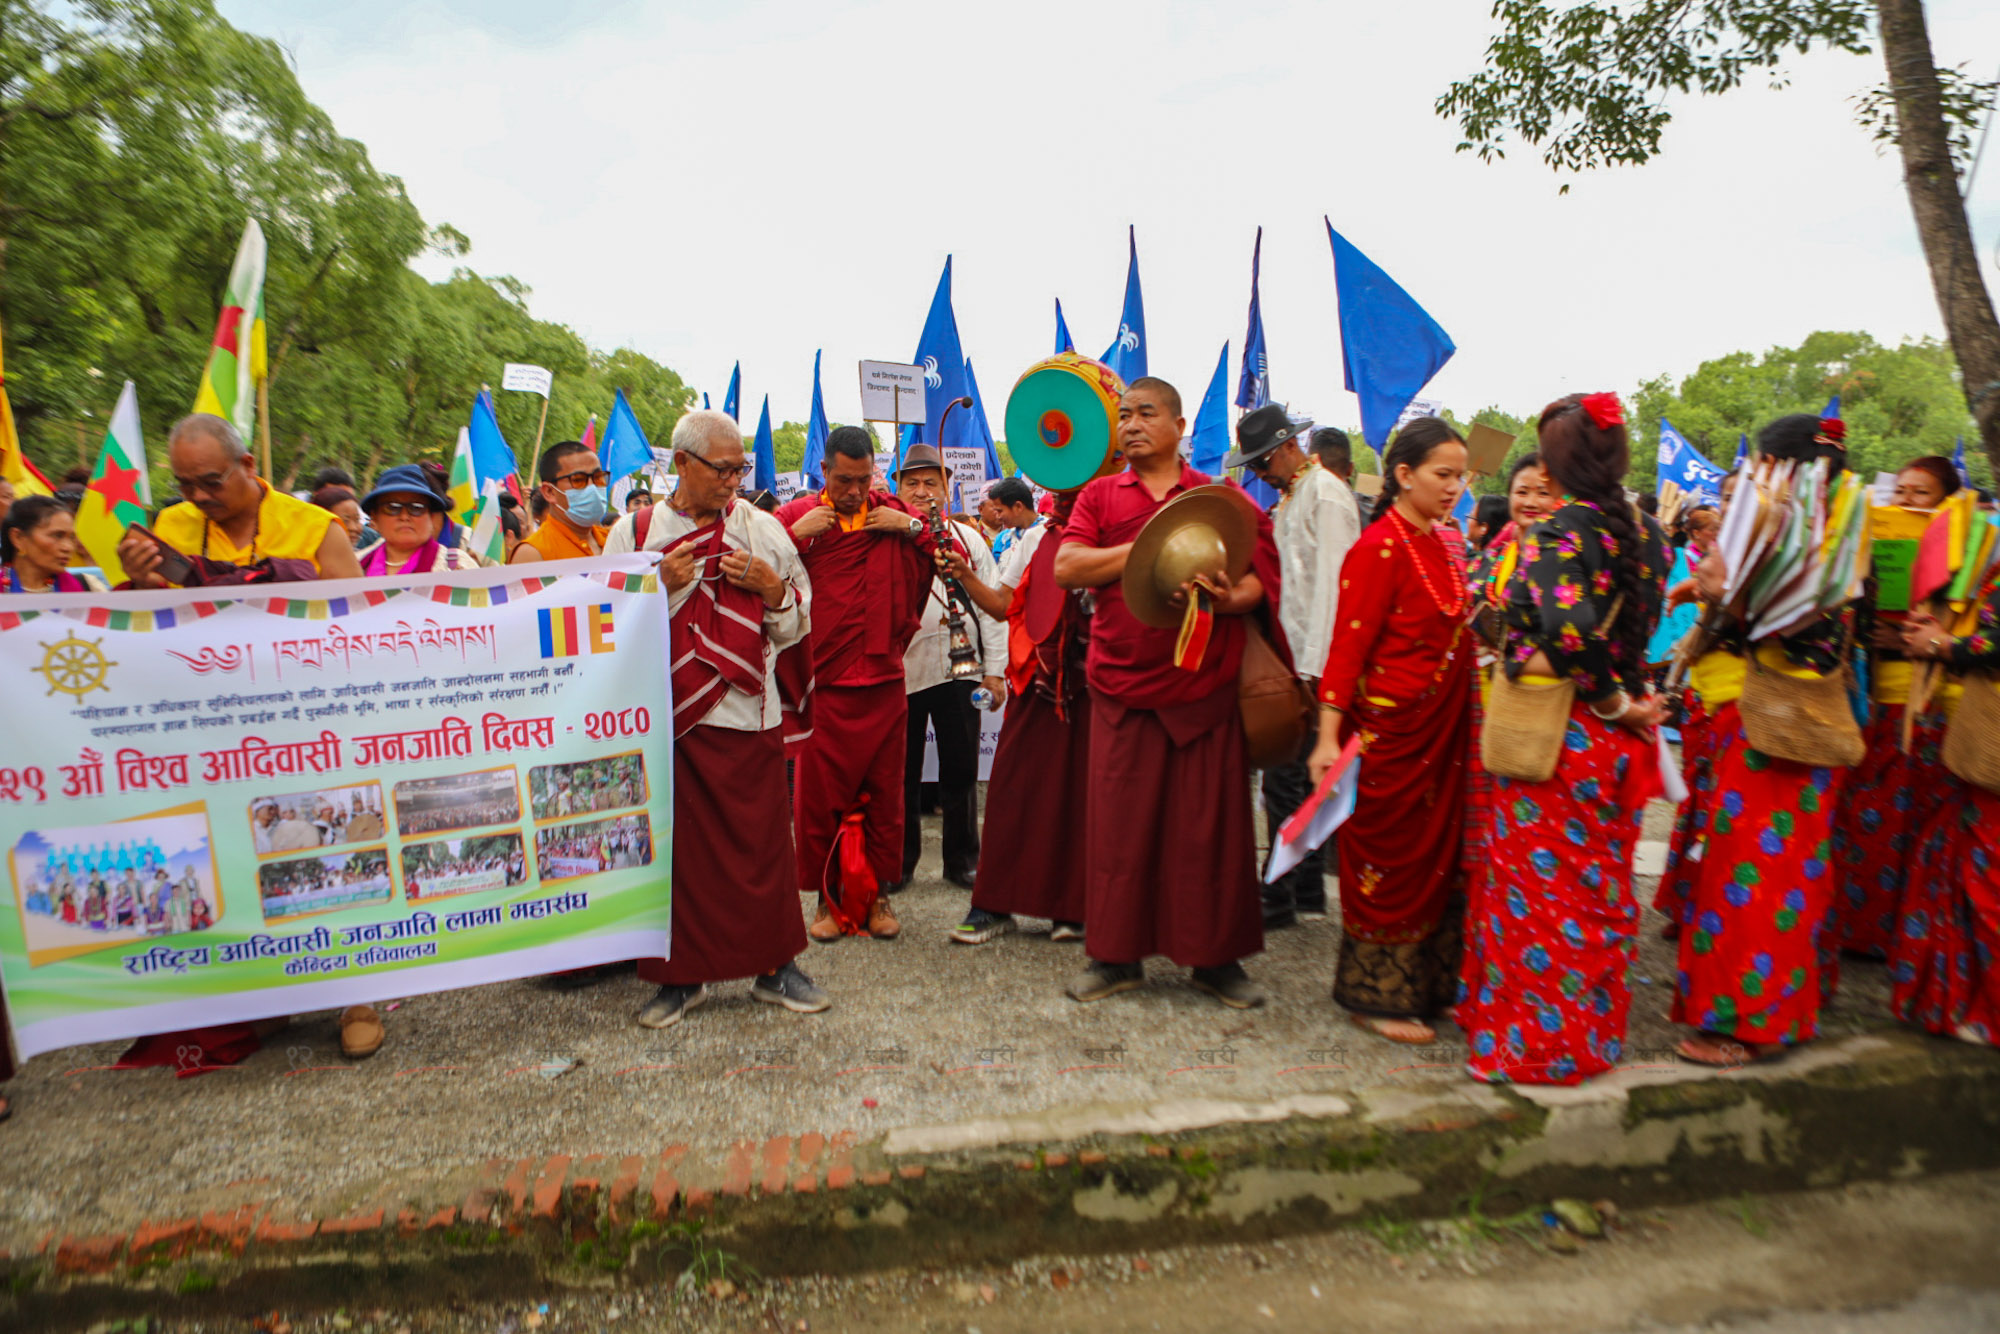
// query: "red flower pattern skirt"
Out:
[1945,964]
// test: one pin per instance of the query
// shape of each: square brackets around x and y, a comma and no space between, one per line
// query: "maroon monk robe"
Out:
[1031,857]
[735,888]
[1172,851]
[868,592]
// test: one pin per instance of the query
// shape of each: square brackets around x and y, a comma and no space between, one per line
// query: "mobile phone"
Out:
[174,567]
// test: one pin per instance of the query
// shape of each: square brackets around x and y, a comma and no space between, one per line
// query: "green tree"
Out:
[1590,85]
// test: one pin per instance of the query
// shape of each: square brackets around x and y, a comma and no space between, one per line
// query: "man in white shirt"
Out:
[1012,504]
[739,596]
[1316,522]
[937,696]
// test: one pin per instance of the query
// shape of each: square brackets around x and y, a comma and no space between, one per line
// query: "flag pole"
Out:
[264,422]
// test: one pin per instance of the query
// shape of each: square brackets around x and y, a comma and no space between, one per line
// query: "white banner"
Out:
[989,741]
[892,392]
[528,379]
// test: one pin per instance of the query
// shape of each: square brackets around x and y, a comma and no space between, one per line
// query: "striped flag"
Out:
[120,493]
[463,489]
[570,632]
[236,360]
[22,475]
[488,541]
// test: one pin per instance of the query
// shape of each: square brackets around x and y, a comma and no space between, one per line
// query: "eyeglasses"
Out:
[211,484]
[1258,465]
[397,509]
[724,471]
[576,481]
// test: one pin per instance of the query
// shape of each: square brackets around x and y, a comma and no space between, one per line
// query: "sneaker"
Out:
[667,1007]
[1312,914]
[791,988]
[1230,985]
[1105,979]
[824,928]
[1065,932]
[981,926]
[882,923]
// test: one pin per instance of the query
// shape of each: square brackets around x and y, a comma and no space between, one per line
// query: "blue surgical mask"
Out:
[589,506]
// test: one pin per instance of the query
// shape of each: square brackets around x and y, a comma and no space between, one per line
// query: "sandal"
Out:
[6,1109]
[1727,1053]
[1408,1032]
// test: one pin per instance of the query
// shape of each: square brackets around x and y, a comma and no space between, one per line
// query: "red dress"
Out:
[1400,666]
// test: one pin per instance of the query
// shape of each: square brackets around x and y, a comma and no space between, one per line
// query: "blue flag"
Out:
[1253,386]
[1127,353]
[980,434]
[816,433]
[1462,512]
[1209,442]
[1391,348]
[939,353]
[1064,343]
[730,399]
[1742,449]
[1683,465]
[764,475]
[1832,408]
[1958,462]
[704,401]
[492,459]
[624,449]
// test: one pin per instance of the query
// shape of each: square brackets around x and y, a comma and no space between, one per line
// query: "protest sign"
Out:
[306,796]
[892,392]
[527,379]
[989,743]
[968,474]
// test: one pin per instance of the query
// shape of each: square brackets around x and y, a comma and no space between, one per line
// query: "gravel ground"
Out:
[923,1031]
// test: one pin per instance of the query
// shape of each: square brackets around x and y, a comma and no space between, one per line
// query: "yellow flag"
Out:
[14,465]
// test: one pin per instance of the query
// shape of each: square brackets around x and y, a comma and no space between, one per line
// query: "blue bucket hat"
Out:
[404,477]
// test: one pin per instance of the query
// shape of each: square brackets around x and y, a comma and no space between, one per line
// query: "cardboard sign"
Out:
[1486,449]
[1367,484]
[892,392]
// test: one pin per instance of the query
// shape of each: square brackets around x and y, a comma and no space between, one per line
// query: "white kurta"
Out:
[1315,525]
[750,529]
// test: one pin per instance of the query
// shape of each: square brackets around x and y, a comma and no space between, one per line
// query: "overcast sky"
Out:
[759,179]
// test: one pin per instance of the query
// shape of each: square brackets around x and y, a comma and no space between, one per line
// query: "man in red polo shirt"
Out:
[1171,850]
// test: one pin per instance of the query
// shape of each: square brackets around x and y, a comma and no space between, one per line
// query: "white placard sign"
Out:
[892,392]
[968,470]
[989,741]
[789,485]
[528,379]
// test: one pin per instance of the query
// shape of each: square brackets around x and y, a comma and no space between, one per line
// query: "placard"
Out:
[1486,449]
[527,379]
[308,796]
[892,392]
[1894,533]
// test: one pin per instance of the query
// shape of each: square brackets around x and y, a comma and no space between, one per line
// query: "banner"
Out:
[309,796]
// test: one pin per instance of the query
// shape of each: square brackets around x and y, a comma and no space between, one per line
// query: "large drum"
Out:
[1062,421]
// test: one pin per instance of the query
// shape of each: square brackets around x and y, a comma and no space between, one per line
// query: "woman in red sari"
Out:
[1944,965]
[1553,922]
[1399,672]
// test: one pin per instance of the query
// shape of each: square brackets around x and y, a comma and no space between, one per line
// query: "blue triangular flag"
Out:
[1253,386]
[492,459]
[1742,450]
[1832,408]
[1958,462]
[816,432]
[731,399]
[939,353]
[1208,445]
[764,476]
[624,449]
[1127,353]
[1064,343]
[704,402]
[1390,346]
[1682,464]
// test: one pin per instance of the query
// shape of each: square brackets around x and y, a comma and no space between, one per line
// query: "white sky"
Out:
[755,180]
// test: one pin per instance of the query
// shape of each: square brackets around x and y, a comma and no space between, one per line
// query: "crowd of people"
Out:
[146,898]
[602,845]
[1508,683]
[315,820]
[322,884]
[556,791]
[426,863]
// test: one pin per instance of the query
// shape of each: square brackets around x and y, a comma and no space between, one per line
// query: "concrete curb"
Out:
[1072,1178]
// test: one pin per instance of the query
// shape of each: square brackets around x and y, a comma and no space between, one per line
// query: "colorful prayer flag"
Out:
[463,489]
[120,493]
[236,357]
[569,632]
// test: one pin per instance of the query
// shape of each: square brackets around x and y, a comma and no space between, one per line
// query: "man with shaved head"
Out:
[229,513]
[739,596]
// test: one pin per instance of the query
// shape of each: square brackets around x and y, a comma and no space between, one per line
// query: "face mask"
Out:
[589,506]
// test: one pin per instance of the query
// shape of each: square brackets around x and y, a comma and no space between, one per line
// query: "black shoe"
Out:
[791,988]
[666,1008]
[981,926]
[1105,979]
[963,879]
[1279,921]
[1230,985]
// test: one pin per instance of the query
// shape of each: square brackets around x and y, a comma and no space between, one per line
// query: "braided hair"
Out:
[1589,462]
[1412,445]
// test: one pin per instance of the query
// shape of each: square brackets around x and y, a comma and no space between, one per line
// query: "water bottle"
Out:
[982,698]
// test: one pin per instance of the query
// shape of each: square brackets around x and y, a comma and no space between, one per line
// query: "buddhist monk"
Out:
[1170,844]
[869,559]
[738,594]
[576,490]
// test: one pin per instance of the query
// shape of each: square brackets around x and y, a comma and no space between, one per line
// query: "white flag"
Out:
[528,379]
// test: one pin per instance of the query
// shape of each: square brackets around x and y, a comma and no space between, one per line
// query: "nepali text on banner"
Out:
[307,796]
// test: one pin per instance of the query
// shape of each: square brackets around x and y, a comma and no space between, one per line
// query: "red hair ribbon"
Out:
[1604,409]
[1832,431]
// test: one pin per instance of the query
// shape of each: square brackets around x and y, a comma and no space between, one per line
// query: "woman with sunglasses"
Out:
[404,511]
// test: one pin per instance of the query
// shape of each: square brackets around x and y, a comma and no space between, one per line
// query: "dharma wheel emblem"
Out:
[75,666]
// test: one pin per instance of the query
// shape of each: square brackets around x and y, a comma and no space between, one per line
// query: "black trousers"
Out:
[1303,888]
[948,708]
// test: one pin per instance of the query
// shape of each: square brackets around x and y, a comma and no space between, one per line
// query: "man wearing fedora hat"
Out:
[940,699]
[1172,860]
[1315,524]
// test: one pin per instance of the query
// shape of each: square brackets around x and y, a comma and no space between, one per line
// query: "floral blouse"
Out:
[1562,593]
[1980,650]
[1817,645]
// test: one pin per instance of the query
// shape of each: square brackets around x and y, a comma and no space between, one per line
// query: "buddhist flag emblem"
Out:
[569,632]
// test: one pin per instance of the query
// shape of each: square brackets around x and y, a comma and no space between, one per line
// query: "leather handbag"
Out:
[1807,720]
[1972,740]
[1276,709]
[1521,735]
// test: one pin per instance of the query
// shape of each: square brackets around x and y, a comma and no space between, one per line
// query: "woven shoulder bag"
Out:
[1806,720]
[1972,740]
[1521,736]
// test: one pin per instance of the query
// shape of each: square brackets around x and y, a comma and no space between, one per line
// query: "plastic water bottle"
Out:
[982,698]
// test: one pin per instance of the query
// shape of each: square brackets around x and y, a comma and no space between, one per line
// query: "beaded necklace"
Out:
[1460,593]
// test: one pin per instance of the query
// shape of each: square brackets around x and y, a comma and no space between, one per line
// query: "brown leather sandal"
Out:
[1379,1026]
